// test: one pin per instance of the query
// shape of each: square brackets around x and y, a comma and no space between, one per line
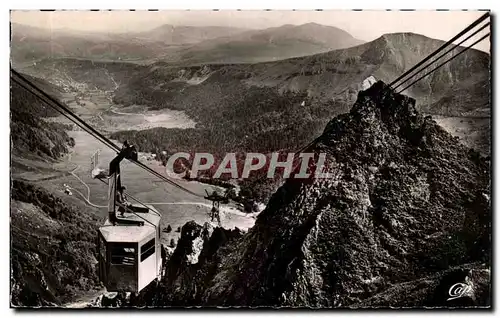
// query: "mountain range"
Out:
[405,216]
[171,34]
[178,44]
[270,44]
[287,102]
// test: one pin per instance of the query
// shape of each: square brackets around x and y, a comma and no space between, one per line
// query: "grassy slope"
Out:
[52,243]
[52,248]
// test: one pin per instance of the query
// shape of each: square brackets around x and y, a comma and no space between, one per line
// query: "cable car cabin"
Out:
[129,254]
[129,245]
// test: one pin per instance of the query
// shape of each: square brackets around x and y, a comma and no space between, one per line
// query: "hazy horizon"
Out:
[363,25]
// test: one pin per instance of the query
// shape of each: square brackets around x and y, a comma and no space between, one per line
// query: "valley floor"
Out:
[177,207]
[90,195]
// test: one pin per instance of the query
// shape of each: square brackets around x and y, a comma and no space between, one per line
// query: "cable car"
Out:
[129,248]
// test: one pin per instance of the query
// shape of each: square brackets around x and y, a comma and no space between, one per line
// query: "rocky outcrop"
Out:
[405,211]
[197,257]
[368,82]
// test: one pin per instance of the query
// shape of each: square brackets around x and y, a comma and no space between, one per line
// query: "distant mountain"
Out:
[171,34]
[333,76]
[269,44]
[30,44]
[460,88]
[281,105]
[179,44]
[338,74]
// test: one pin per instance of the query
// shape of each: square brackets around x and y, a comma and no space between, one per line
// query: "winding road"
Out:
[225,210]
[87,199]
[86,143]
[113,110]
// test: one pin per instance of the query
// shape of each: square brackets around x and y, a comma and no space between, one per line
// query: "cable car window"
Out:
[122,255]
[147,249]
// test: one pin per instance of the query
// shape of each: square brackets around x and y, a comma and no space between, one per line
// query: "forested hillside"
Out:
[266,107]
[258,120]
[52,243]
[30,134]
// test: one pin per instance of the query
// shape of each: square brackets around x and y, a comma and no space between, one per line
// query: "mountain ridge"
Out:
[275,43]
[178,44]
[327,83]
[180,34]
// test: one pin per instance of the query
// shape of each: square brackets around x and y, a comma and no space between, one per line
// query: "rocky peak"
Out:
[405,202]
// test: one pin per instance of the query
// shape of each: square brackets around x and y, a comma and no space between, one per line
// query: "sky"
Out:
[364,25]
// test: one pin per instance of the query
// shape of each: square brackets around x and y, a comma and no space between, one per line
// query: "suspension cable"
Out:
[96,134]
[448,51]
[54,103]
[442,47]
[48,102]
[440,65]
[422,62]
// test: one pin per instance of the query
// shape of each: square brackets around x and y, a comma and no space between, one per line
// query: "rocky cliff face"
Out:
[404,215]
